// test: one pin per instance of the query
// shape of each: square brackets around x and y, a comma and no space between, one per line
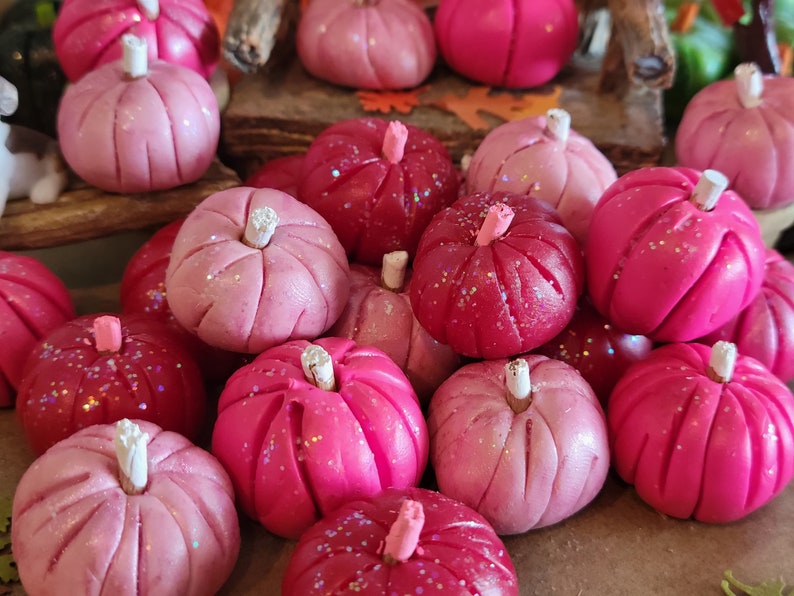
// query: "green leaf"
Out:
[8,569]
[771,588]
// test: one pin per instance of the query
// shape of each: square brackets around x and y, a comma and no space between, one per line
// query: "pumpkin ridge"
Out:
[487,486]
[68,538]
[153,82]
[284,249]
[741,398]
[516,153]
[76,403]
[369,15]
[511,53]
[20,312]
[295,420]
[28,283]
[537,410]
[473,590]
[117,129]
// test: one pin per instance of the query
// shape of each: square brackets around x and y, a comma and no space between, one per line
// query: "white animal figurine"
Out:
[30,163]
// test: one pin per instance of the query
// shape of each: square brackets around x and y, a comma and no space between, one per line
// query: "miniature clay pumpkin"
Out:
[281,173]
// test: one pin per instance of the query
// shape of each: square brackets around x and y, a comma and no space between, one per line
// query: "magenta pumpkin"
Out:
[378,184]
[33,302]
[662,263]
[700,439]
[535,453]
[307,427]
[131,126]
[366,546]
[543,157]
[496,294]
[87,33]
[281,173]
[252,268]
[507,43]
[367,44]
[75,377]
[85,522]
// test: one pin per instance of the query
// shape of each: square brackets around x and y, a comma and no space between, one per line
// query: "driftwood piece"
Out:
[756,41]
[254,29]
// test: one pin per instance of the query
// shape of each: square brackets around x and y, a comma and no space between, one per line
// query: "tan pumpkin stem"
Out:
[318,368]
[519,388]
[392,274]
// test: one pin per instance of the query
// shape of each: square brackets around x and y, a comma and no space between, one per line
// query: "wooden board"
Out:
[280,112]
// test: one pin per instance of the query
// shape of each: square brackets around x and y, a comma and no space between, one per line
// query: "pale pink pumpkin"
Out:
[699,438]
[307,427]
[81,525]
[246,290]
[367,44]
[543,157]
[532,435]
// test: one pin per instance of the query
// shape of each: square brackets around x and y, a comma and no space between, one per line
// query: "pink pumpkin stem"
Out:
[708,190]
[107,334]
[403,537]
[9,98]
[318,368]
[260,227]
[135,56]
[558,125]
[495,225]
[149,8]
[131,453]
[722,362]
[519,388]
[749,84]
[392,274]
[394,142]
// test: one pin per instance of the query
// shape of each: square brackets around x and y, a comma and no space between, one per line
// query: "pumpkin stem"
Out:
[260,227]
[135,57]
[465,162]
[722,362]
[558,124]
[708,190]
[107,334]
[519,389]
[394,141]
[749,84]
[392,273]
[149,8]
[9,97]
[403,538]
[131,454]
[495,225]
[318,368]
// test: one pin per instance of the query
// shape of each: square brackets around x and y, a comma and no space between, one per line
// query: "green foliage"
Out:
[770,588]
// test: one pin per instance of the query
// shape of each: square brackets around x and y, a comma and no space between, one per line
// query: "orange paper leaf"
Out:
[386,101]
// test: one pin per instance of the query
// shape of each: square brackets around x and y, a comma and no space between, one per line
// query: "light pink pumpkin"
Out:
[296,451]
[541,156]
[524,468]
[660,265]
[745,129]
[507,43]
[132,128]
[87,33]
[77,531]
[697,443]
[245,298]
[367,44]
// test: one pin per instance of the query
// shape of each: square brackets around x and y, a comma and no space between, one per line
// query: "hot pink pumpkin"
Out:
[281,173]
[243,295]
[543,157]
[504,295]
[33,302]
[697,444]
[76,529]
[295,451]
[531,460]
[378,184]
[72,380]
[745,129]
[87,33]
[125,128]
[367,44]
[455,551]
[660,265]
[507,43]
[765,329]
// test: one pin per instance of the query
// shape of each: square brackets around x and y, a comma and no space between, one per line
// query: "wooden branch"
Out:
[756,41]
[253,30]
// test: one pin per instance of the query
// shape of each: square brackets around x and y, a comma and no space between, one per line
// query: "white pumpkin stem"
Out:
[394,141]
[519,388]
[749,84]
[392,273]
[495,225]
[403,537]
[149,8]
[131,453]
[465,162]
[261,226]
[9,97]
[135,57]
[708,189]
[722,362]
[107,334]
[558,124]
[318,368]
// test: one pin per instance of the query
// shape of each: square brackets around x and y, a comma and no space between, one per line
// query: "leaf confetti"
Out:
[506,106]
[385,101]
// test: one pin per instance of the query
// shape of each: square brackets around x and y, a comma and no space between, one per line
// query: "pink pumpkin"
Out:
[132,127]
[699,438]
[33,302]
[253,268]
[99,369]
[532,435]
[307,427]
[85,522]
[499,291]
[765,329]
[87,33]
[367,44]
[507,43]
[281,173]
[378,184]
[379,314]
[745,129]
[541,156]
[662,262]
[412,541]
